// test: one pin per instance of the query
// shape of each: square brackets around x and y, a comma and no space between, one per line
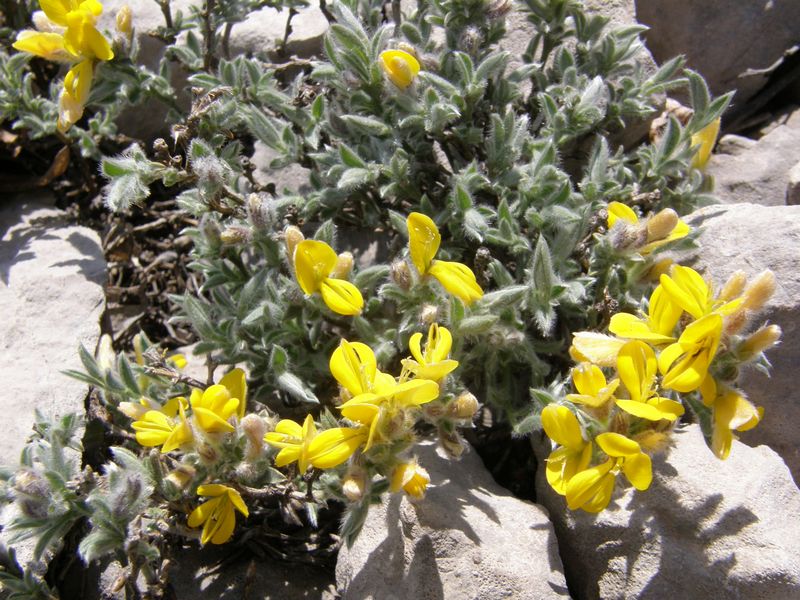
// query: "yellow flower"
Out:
[596,348]
[423,243]
[731,411]
[159,428]
[685,363]
[213,407]
[314,262]
[400,67]
[687,288]
[385,401]
[433,363]
[593,389]
[354,366]
[705,138]
[657,328]
[124,20]
[637,366]
[323,450]
[662,228]
[591,489]
[574,453]
[72,38]
[411,478]
[217,516]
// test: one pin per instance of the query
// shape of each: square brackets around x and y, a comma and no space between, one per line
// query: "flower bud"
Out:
[292,236]
[733,288]
[354,484]
[182,476]
[759,291]
[763,339]
[401,274]
[344,266]
[412,478]
[105,353]
[464,407]
[43,24]
[32,494]
[429,314]
[735,322]
[258,212]
[451,442]
[236,234]
[254,428]
[212,233]
[125,20]
[660,225]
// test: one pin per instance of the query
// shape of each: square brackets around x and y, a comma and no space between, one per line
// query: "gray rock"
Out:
[754,238]
[704,529]
[291,179]
[757,172]
[263,31]
[722,39]
[469,538]
[51,290]
[793,186]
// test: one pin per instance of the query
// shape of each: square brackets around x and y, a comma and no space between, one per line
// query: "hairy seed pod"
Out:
[401,274]
[464,406]
[734,287]
[292,236]
[759,341]
[344,266]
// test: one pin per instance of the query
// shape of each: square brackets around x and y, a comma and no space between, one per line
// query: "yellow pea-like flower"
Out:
[213,407]
[218,515]
[423,243]
[687,288]
[662,228]
[411,478]
[637,367]
[432,363]
[705,139]
[657,327]
[593,389]
[573,454]
[314,264]
[591,489]
[160,428]
[684,364]
[400,67]
[731,411]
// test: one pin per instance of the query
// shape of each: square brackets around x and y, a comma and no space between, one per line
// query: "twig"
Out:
[208,33]
[287,32]
[397,16]
[323,7]
[226,40]
[165,9]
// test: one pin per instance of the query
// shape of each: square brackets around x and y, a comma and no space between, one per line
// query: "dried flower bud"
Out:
[451,442]
[258,212]
[211,231]
[464,407]
[354,484]
[292,236]
[759,291]
[660,225]
[236,234]
[182,476]
[344,266]
[733,288]
[401,274]
[32,494]
[470,40]
[429,314]
[208,454]
[254,428]
[759,341]
[125,20]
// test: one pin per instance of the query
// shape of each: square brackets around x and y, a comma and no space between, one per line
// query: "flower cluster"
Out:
[631,388]
[320,270]
[66,33]
[383,410]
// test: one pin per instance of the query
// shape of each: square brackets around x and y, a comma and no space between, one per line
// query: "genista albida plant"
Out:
[474,231]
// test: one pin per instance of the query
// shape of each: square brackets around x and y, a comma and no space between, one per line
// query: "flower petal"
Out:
[457,279]
[353,365]
[341,296]
[637,366]
[332,447]
[313,262]
[236,384]
[202,513]
[423,240]
[562,426]
[617,445]
[596,348]
[639,471]
[629,326]
[618,210]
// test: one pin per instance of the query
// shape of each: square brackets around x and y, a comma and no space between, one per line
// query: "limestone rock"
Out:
[754,238]
[722,39]
[704,529]
[291,179]
[469,538]
[51,290]
[757,172]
